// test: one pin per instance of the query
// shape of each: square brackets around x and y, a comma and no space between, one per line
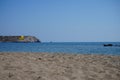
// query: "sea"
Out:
[63,47]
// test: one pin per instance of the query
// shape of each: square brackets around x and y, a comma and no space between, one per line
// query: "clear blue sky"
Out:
[62,20]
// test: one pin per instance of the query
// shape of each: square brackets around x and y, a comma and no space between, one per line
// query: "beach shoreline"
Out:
[51,66]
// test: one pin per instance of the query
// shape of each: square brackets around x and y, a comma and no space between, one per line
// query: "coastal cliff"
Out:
[19,39]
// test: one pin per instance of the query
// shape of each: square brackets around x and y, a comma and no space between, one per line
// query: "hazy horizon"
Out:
[62,20]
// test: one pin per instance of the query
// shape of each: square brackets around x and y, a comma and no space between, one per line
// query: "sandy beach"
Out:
[47,66]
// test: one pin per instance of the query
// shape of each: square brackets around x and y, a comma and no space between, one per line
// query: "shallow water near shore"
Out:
[63,47]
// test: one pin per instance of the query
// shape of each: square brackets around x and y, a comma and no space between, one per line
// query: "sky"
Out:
[62,20]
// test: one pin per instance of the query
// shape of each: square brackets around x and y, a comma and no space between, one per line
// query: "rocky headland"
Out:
[19,39]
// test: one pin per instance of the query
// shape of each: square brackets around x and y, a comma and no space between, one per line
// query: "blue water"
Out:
[63,47]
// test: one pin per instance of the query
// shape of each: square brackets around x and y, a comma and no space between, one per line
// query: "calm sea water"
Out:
[62,47]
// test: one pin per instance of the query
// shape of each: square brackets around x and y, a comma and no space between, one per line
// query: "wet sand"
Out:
[47,66]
